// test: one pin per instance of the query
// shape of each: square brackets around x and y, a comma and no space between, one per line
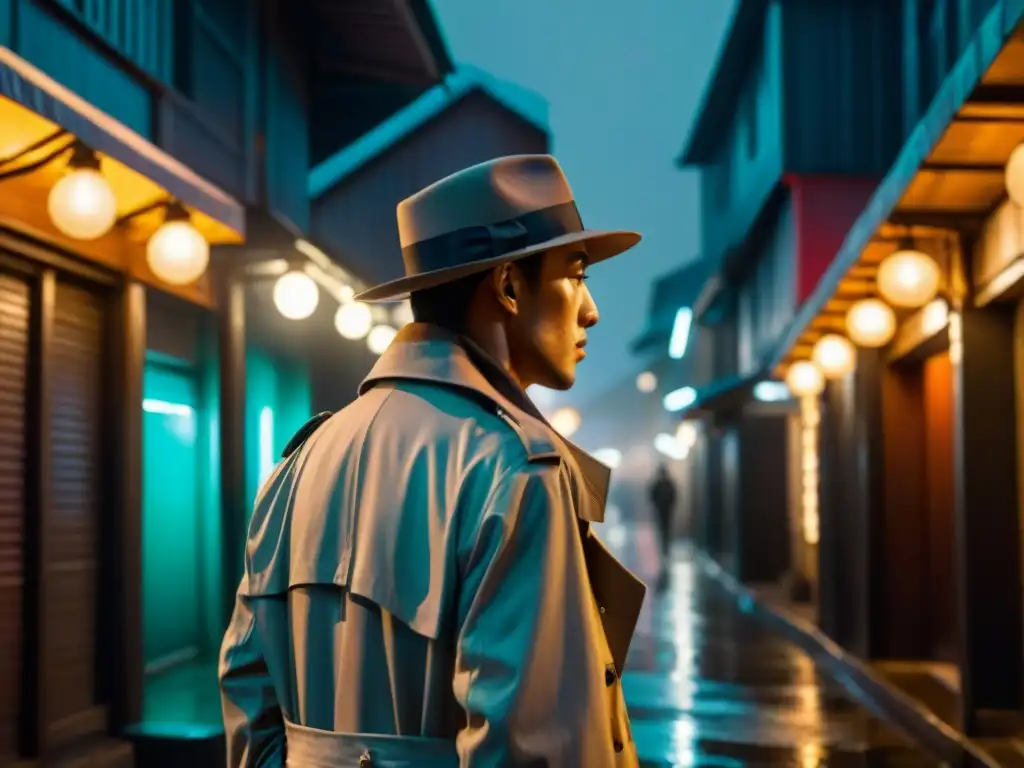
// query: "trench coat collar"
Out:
[424,352]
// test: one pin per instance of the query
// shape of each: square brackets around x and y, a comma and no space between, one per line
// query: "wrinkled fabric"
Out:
[423,567]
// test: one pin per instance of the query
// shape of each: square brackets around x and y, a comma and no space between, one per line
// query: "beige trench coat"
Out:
[422,587]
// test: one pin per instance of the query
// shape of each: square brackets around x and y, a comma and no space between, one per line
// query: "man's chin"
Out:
[561,380]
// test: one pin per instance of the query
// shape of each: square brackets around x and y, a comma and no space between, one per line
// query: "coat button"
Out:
[618,746]
[600,609]
[609,675]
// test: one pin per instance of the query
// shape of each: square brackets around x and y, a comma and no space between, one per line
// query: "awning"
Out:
[34,105]
[725,395]
[669,293]
[937,177]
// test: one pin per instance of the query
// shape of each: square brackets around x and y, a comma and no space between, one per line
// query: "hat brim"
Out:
[600,246]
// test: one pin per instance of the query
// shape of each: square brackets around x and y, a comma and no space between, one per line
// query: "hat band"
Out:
[487,241]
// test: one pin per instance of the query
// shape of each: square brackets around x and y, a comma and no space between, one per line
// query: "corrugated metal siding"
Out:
[356,220]
[843,92]
[14,315]
[287,135]
[71,557]
[735,188]
[55,48]
[209,125]
[141,30]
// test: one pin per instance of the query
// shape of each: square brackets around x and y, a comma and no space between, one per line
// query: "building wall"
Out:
[841,92]
[767,298]
[196,78]
[748,162]
[357,218]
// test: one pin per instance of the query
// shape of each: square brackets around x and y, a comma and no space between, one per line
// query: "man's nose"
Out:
[588,311]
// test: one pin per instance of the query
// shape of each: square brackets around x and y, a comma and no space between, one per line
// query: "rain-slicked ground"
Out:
[708,685]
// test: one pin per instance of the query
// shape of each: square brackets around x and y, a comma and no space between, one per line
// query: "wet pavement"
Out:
[709,685]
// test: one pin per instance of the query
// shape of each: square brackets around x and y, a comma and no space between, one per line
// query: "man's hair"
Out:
[448,305]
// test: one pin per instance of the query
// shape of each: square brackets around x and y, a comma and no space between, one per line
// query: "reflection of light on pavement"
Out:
[681,619]
[684,740]
[809,709]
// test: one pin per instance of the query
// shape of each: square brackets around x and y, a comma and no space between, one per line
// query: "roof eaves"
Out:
[724,83]
[426,16]
[526,104]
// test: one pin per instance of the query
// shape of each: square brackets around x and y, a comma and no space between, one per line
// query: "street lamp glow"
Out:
[296,295]
[678,399]
[610,457]
[668,446]
[908,278]
[177,253]
[380,338]
[646,382]
[686,435]
[82,204]
[353,320]
[804,379]
[871,323]
[834,355]
[566,421]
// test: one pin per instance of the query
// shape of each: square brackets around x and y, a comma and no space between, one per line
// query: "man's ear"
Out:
[502,283]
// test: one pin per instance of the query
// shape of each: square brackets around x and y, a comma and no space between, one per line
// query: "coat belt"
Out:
[314,748]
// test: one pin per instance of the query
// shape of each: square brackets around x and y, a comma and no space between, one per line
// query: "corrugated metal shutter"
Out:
[71,557]
[14,318]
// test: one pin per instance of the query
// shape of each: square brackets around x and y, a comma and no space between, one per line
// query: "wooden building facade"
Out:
[124,395]
[917,439]
[784,171]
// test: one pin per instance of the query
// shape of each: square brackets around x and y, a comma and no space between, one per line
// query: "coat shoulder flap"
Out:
[536,439]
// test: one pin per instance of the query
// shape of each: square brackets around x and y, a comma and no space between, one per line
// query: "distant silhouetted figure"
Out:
[663,499]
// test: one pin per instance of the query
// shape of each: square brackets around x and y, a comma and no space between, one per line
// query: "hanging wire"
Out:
[48,139]
[23,170]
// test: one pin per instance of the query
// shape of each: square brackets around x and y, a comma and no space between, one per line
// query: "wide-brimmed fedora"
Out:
[486,215]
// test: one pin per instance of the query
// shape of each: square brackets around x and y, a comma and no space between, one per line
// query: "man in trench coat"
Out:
[422,586]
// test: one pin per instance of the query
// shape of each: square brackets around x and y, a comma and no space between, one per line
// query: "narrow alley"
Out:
[708,685]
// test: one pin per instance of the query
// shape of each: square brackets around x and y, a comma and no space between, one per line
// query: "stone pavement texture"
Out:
[707,685]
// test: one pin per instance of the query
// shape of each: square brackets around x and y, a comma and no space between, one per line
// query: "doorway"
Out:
[938,502]
[171,536]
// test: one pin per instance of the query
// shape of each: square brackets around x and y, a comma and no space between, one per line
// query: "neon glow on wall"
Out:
[680,333]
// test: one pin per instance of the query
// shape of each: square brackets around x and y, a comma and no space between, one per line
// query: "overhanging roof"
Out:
[950,170]
[396,40]
[669,293]
[527,105]
[724,395]
[135,160]
[717,104]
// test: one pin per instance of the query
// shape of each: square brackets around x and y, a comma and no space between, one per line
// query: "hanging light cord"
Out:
[22,170]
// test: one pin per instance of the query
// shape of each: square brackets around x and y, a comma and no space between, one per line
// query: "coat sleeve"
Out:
[253,724]
[528,670]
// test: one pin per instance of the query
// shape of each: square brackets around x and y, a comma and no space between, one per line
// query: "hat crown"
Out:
[490,192]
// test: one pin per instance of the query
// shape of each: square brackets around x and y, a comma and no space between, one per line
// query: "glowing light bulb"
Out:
[834,355]
[353,320]
[82,204]
[296,295]
[804,379]
[177,253]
